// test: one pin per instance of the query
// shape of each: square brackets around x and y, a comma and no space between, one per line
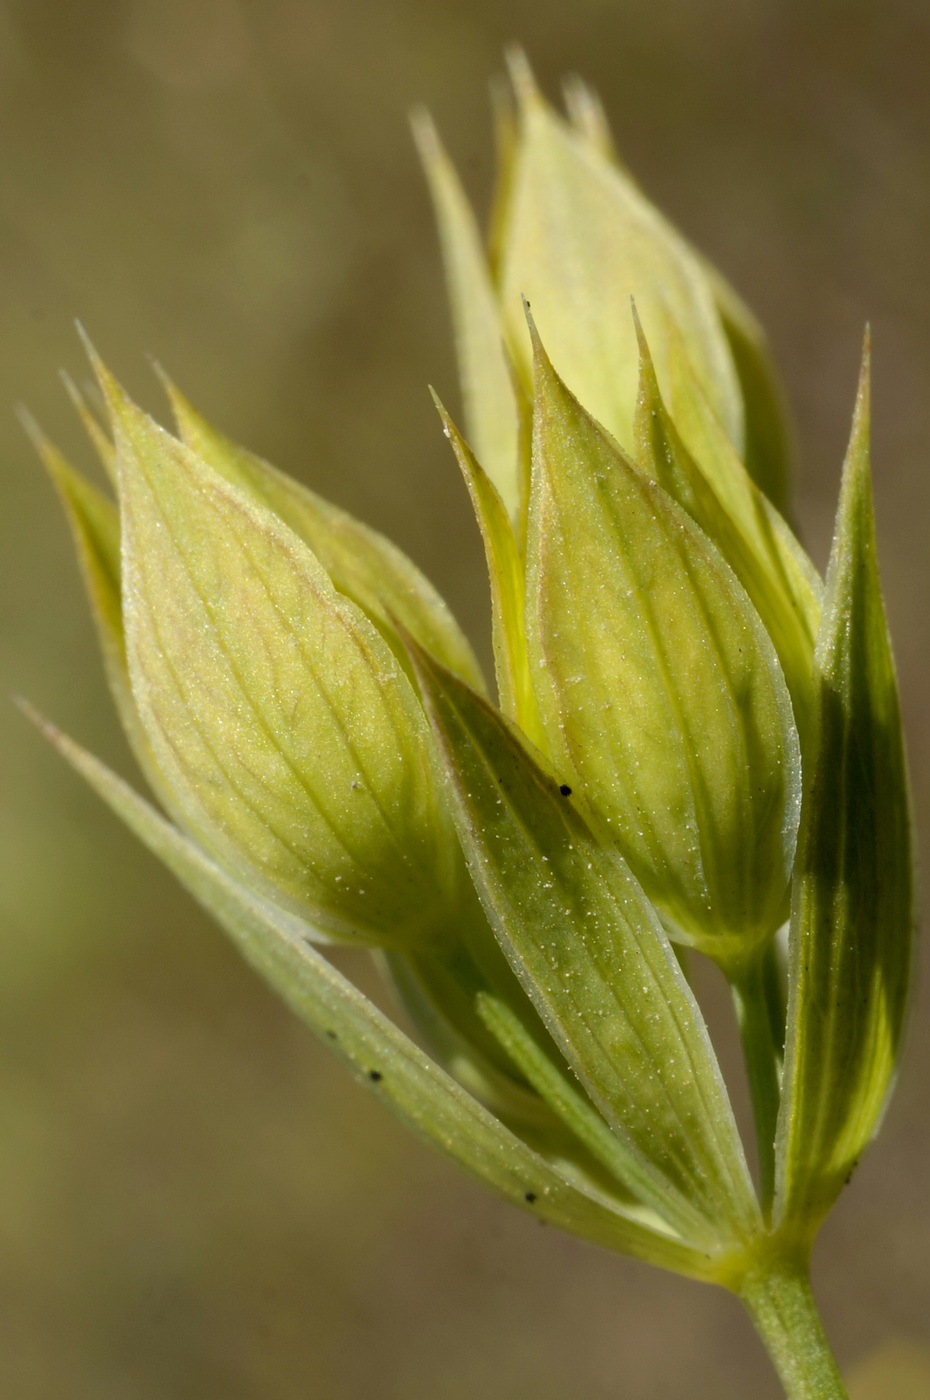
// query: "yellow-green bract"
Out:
[693,736]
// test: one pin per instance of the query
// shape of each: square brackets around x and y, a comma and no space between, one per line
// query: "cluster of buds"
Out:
[695,740]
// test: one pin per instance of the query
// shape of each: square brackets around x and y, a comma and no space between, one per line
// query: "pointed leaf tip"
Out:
[440,407]
[544,372]
[164,378]
[274,705]
[505,572]
[30,427]
[863,410]
[362,564]
[588,948]
[120,407]
[640,333]
[852,924]
[191,425]
[35,716]
[586,113]
[522,77]
[648,379]
[717,492]
[578,238]
[489,397]
[425,134]
[695,773]
[90,351]
[102,444]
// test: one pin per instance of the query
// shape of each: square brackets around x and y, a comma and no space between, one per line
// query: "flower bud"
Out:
[575,236]
[279,725]
[578,241]
[659,690]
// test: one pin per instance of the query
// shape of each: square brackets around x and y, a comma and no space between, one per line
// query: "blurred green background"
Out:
[193,1201]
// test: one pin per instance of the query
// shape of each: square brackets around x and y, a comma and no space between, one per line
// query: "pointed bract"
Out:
[361,563]
[581,240]
[94,522]
[852,918]
[591,954]
[488,393]
[508,589]
[586,114]
[285,728]
[658,687]
[760,549]
[769,446]
[94,429]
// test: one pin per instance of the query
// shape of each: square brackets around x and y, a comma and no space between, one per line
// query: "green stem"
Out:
[759,1011]
[782,1307]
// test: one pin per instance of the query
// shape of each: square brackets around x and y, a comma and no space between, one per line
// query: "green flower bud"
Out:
[659,690]
[273,717]
[577,241]
[575,236]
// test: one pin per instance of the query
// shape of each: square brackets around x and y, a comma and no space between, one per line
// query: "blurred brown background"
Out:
[194,1202]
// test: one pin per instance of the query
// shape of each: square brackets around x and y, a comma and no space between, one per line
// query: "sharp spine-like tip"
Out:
[647,370]
[864,385]
[438,403]
[540,358]
[36,717]
[180,406]
[114,395]
[449,429]
[502,97]
[580,101]
[71,389]
[30,427]
[522,78]
[856,479]
[164,379]
[55,736]
[640,333]
[87,343]
[50,457]
[425,133]
[81,399]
